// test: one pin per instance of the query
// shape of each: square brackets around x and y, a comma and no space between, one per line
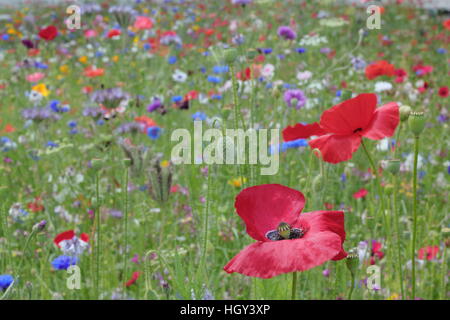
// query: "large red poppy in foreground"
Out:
[313,237]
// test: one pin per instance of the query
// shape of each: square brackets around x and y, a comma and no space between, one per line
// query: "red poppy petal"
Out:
[302,131]
[349,115]
[263,207]
[384,122]
[84,237]
[320,221]
[269,259]
[336,148]
[66,235]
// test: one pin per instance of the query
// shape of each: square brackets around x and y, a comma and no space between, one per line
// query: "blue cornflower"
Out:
[288,145]
[154,132]
[51,144]
[64,262]
[266,50]
[214,79]
[216,96]
[301,50]
[40,65]
[441,51]
[172,59]
[294,144]
[147,46]
[220,69]
[5,37]
[343,177]
[338,93]
[54,105]
[199,116]
[72,123]
[176,99]
[5,281]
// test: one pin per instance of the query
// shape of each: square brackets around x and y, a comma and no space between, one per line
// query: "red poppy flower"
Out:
[36,205]
[361,193]
[244,75]
[443,92]
[312,238]
[380,68]
[69,235]
[348,122]
[148,122]
[92,72]
[113,33]
[428,252]
[446,24]
[376,252]
[48,33]
[302,131]
[9,128]
[191,95]
[133,279]
[422,70]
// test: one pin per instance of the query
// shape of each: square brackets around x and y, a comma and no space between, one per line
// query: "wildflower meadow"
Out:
[224,150]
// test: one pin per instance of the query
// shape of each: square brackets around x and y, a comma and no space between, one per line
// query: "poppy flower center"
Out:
[285,232]
[357,130]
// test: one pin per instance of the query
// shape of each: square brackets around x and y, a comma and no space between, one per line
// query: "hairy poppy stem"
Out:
[378,182]
[294,285]
[397,231]
[125,223]
[98,239]
[413,244]
[352,287]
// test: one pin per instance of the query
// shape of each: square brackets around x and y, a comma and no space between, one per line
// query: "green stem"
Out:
[352,287]
[98,249]
[206,220]
[294,285]
[125,221]
[413,244]
[378,183]
[397,231]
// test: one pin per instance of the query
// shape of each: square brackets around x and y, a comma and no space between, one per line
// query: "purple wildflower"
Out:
[294,98]
[287,33]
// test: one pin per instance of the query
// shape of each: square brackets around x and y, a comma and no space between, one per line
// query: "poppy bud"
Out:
[160,181]
[231,55]
[96,164]
[416,122]
[284,230]
[392,166]
[276,93]
[404,111]
[352,261]
[388,189]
